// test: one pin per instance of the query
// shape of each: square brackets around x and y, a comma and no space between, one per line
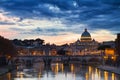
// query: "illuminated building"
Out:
[86,37]
[117,44]
[84,45]
[53,52]
[109,51]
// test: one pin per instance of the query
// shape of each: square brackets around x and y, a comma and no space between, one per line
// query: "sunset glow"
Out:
[50,21]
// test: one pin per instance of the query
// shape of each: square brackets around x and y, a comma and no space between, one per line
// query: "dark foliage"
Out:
[27,42]
[6,47]
[103,47]
[61,52]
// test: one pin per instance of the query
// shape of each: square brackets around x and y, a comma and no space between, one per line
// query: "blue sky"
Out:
[59,21]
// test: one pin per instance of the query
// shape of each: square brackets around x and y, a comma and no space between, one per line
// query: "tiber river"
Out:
[58,71]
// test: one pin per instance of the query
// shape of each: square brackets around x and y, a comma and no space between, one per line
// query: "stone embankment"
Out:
[110,69]
[6,69]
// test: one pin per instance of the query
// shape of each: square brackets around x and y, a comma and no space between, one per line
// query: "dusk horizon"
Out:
[59,22]
[61,43]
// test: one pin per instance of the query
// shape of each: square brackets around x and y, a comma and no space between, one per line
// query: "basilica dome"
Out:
[85,36]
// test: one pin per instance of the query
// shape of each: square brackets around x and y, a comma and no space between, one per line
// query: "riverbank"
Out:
[6,69]
[110,69]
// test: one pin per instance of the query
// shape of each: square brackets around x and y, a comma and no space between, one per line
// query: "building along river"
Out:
[58,71]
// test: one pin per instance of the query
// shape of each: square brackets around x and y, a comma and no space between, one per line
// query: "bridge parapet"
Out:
[80,58]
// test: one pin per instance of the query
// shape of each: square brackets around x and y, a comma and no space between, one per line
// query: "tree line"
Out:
[30,42]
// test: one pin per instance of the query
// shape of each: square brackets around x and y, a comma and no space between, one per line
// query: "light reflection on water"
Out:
[60,72]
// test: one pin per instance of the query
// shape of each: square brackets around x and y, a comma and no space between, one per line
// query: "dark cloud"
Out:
[96,14]
[47,31]
[17,29]
[6,23]
[40,31]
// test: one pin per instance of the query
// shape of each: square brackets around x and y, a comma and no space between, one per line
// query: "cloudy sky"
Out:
[59,21]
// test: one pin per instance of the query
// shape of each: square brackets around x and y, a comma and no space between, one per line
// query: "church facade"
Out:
[85,45]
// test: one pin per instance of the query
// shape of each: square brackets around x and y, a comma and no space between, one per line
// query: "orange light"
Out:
[9,76]
[90,69]
[105,57]
[62,67]
[113,76]
[72,68]
[56,68]
[113,58]
[9,57]
[109,51]
[105,75]
[87,76]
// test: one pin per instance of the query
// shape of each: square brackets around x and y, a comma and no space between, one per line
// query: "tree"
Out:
[40,41]
[61,52]
[28,42]
[103,47]
[6,47]
[17,42]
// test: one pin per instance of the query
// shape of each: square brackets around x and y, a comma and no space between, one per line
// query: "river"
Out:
[58,71]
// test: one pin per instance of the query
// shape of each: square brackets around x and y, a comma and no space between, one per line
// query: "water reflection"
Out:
[105,75]
[9,76]
[58,71]
[113,76]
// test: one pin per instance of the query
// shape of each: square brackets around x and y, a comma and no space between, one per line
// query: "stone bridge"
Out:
[65,59]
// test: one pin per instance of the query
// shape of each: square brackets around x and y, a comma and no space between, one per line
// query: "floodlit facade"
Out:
[85,45]
[109,51]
